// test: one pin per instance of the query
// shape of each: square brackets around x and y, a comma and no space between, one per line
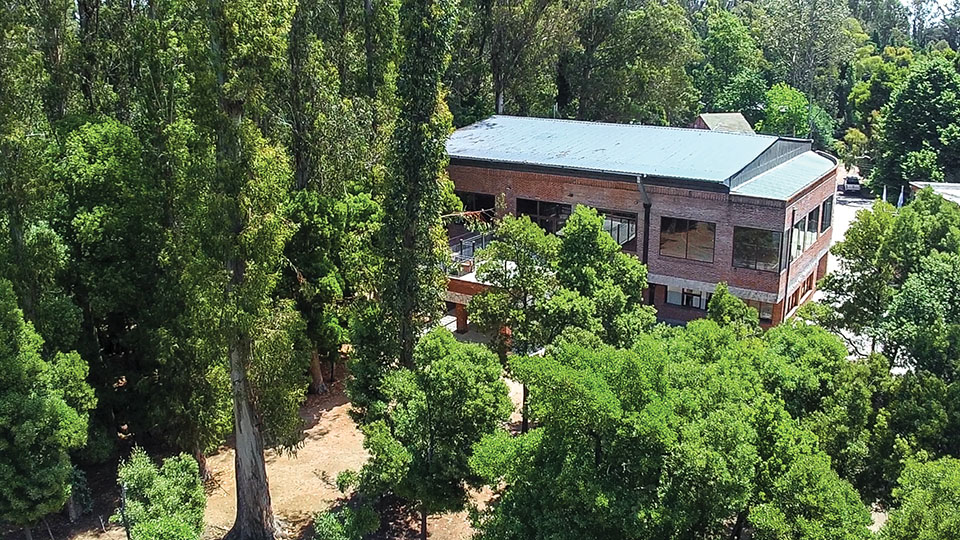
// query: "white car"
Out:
[851,184]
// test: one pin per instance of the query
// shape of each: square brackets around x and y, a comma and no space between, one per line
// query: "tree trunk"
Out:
[334,356]
[368,45]
[205,473]
[88,16]
[27,534]
[28,293]
[423,523]
[254,512]
[523,411]
[317,385]
[738,526]
[72,512]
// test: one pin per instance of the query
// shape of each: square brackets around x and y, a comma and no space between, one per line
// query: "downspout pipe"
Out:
[645,254]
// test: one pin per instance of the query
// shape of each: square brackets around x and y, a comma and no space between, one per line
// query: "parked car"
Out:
[851,185]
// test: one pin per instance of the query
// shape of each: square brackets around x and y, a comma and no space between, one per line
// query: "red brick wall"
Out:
[723,209]
[469,288]
[609,195]
[726,212]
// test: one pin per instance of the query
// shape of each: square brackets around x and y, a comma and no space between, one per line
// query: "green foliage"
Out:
[629,63]
[412,236]
[785,112]
[810,502]
[726,309]
[923,319]
[918,130]
[808,41]
[928,496]
[165,502]
[518,264]
[682,427]
[861,288]
[880,251]
[113,216]
[43,417]
[451,398]
[731,58]
[746,92]
[920,419]
[345,524]
[543,285]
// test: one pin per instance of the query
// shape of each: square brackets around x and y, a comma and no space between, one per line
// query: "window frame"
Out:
[779,251]
[797,234]
[557,220]
[470,203]
[686,239]
[810,236]
[687,297]
[759,306]
[631,222]
[826,214]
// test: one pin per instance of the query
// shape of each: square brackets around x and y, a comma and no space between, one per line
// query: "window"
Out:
[756,248]
[687,239]
[806,286]
[690,298]
[763,308]
[551,216]
[622,227]
[813,221]
[827,217]
[473,202]
[797,234]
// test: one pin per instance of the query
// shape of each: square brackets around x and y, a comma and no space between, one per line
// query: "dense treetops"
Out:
[201,202]
[680,436]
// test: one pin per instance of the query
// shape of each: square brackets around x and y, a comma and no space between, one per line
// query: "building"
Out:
[948,191]
[731,122]
[698,207]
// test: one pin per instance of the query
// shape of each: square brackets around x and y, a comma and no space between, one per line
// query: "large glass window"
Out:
[622,227]
[687,239]
[473,202]
[763,308]
[551,216]
[827,219]
[796,237]
[691,298]
[813,222]
[756,248]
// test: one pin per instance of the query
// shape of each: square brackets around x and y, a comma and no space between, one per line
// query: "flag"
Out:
[900,200]
[884,198]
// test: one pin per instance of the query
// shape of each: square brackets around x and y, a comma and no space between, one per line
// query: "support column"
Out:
[461,312]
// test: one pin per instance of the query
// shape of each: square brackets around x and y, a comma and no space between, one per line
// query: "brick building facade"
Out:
[762,222]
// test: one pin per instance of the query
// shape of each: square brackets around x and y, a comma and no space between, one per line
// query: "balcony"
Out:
[464,249]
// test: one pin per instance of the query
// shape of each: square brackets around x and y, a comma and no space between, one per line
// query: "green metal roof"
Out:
[787,179]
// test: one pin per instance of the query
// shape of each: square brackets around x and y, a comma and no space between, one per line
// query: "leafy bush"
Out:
[345,524]
[162,503]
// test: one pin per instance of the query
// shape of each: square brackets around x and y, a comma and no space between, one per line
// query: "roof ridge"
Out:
[620,124]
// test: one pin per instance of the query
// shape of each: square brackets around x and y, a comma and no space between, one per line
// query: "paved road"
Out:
[844,212]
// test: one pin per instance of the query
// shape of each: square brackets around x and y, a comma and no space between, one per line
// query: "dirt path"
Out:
[301,484]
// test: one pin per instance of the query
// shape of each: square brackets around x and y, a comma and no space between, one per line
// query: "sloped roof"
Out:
[732,122]
[786,179]
[948,191]
[635,150]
